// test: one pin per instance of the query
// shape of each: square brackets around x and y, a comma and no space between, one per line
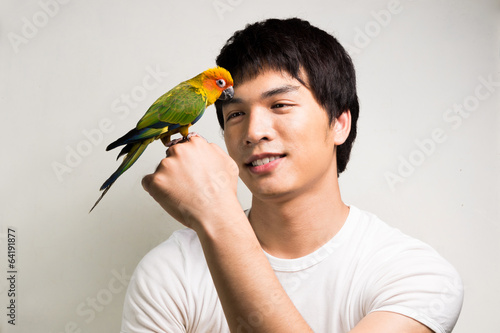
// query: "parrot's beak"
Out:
[227,94]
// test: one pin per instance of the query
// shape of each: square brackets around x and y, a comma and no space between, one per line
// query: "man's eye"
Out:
[278,106]
[234,115]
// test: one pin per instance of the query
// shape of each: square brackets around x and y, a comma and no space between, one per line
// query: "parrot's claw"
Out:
[181,140]
[174,142]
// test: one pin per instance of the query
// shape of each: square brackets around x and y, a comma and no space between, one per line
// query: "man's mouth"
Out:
[264,160]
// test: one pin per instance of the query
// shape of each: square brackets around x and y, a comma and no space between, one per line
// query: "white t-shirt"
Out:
[367,266]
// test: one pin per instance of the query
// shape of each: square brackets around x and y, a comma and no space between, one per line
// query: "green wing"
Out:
[180,105]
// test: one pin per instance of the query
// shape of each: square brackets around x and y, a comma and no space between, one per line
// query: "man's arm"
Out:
[196,184]
[250,293]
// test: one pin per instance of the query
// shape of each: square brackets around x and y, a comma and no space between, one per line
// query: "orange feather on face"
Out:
[212,83]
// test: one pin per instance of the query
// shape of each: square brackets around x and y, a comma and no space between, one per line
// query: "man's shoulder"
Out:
[406,275]
[171,289]
[390,252]
[181,248]
[384,247]
[182,240]
[378,234]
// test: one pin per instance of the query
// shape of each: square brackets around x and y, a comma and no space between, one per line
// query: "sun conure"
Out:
[172,113]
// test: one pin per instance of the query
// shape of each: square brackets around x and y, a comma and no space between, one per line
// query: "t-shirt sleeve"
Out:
[417,282]
[156,299]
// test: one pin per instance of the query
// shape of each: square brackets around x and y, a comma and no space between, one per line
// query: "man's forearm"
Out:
[249,291]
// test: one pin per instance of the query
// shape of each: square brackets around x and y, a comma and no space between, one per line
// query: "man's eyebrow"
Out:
[279,90]
[234,100]
[266,94]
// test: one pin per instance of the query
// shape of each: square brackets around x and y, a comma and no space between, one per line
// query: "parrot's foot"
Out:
[181,140]
[174,142]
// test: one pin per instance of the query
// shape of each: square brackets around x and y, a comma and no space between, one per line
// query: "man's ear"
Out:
[342,127]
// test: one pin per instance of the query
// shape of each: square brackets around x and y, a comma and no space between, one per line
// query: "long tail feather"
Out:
[102,195]
[133,154]
[125,150]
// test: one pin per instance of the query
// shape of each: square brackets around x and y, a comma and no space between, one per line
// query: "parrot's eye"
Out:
[221,83]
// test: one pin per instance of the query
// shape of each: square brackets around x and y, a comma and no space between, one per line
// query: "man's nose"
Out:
[259,126]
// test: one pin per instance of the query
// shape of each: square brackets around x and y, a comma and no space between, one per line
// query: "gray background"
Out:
[75,75]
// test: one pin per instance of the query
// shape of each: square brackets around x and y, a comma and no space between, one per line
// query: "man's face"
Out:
[279,136]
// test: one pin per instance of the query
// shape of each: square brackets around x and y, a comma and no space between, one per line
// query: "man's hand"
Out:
[196,179]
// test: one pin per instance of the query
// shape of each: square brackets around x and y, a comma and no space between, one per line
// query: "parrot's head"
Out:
[218,84]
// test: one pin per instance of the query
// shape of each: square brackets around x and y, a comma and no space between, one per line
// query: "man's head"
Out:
[295,47]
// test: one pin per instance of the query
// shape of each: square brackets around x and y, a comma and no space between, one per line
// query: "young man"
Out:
[300,260]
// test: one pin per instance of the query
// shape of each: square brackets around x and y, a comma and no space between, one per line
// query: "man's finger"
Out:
[146,182]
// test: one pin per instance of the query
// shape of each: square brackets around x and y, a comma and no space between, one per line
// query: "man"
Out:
[300,260]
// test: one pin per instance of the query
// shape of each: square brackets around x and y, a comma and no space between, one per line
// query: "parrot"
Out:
[173,112]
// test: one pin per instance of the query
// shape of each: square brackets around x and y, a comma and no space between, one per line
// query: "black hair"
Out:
[295,46]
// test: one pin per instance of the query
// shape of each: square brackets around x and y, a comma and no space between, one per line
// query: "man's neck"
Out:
[296,227]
